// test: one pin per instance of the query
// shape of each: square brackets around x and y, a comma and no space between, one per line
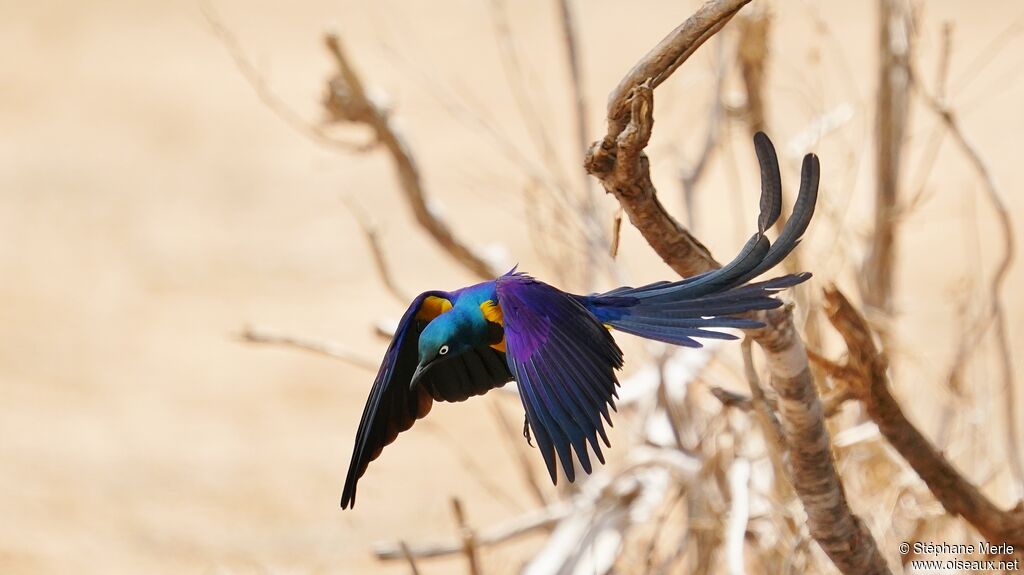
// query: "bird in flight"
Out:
[558,347]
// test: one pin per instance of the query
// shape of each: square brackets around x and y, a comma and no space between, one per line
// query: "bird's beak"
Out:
[421,370]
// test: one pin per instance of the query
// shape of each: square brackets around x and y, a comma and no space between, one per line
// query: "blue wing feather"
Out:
[677,312]
[564,361]
[391,407]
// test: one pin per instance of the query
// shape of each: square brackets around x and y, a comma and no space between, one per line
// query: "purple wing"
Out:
[564,362]
[392,407]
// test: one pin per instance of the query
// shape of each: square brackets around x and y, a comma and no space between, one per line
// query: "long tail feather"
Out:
[677,312]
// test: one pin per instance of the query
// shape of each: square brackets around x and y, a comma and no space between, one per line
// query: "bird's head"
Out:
[448,335]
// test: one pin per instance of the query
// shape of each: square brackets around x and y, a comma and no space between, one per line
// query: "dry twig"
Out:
[271,100]
[515,443]
[589,206]
[752,55]
[372,234]
[408,558]
[468,537]
[894,37]
[997,313]
[690,176]
[528,523]
[328,348]
[347,100]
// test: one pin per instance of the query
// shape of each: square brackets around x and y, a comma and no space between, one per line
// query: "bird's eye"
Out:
[443,350]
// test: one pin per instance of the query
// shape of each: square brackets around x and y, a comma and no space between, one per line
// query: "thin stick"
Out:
[894,37]
[271,100]
[328,348]
[689,177]
[515,442]
[588,203]
[372,234]
[997,312]
[523,525]
[360,107]
[408,557]
[468,537]
[514,75]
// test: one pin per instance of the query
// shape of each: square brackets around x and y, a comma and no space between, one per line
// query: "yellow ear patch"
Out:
[492,312]
[432,307]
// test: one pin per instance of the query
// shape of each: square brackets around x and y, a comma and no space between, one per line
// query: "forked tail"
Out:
[676,312]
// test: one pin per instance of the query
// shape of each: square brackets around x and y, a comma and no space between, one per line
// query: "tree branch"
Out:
[330,349]
[271,100]
[621,165]
[525,524]
[380,261]
[894,37]
[347,100]
[997,311]
[956,494]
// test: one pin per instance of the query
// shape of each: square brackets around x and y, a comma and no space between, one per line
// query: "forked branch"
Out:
[867,369]
[619,162]
[347,100]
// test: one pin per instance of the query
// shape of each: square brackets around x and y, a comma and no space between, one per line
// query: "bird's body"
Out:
[559,347]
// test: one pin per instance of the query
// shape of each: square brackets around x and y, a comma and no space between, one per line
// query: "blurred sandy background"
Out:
[151,206]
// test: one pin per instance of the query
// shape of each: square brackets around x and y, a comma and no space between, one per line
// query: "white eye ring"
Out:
[443,350]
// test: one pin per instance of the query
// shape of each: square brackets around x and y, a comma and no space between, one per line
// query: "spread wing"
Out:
[392,407]
[564,361]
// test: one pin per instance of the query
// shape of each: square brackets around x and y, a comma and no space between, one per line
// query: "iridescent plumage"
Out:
[558,347]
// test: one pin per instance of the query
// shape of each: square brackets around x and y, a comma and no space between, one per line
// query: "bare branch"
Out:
[369,228]
[623,168]
[516,445]
[572,53]
[894,37]
[752,54]
[347,98]
[589,207]
[997,312]
[468,537]
[690,176]
[956,494]
[408,558]
[328,348]
[523,525]
[516,78]
[271,100]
